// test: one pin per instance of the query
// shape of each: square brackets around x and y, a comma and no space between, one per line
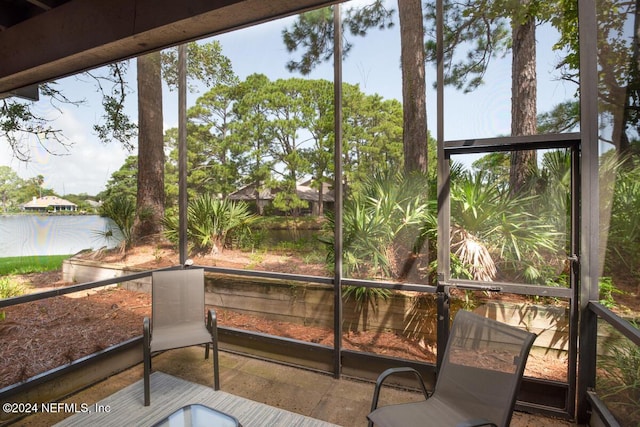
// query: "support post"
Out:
[182,152]
[338,189]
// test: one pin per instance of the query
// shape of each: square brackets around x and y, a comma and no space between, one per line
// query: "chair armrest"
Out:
[212,326]
[212,320]
[476,423]
[392,371]
[146,332]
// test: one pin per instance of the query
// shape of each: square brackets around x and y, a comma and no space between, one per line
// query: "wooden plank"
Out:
[169,394]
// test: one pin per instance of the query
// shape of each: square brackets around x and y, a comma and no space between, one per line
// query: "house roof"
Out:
[46,201]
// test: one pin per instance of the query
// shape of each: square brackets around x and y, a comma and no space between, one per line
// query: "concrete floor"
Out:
[344,402]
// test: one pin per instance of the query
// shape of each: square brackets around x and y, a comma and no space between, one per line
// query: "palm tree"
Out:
[212,223]
[497,235]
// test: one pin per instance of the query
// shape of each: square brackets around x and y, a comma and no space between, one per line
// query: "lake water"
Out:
[24,235]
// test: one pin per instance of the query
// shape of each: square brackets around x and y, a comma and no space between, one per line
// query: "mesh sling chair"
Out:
[478,381]
[177,319]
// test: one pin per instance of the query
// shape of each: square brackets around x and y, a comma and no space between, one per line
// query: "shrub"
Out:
[122,210]
[386,223]
[213,224]
[9,289]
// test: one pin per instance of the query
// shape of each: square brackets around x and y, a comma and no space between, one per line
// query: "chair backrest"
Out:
[482,367]
[177,296]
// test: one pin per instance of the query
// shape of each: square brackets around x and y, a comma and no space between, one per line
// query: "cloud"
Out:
[84,167]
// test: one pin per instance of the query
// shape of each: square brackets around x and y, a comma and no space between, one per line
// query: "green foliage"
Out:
[213,224]
[484,31]
[121,209]
[10,184]
[123,182]
[362,294]
[288,223]
[607,290]
[81,200]
[564,117]
[372,136]
[24,265]
[274,133]
[205,63]
[618,382]
[15,191]
[116,123]
[9,289]
[388,219]
[313,32]
[623,243]
[492,227]
[287,199]
[258,131]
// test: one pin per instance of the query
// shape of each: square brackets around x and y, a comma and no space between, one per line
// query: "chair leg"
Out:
[147,388]
[212,325]
[216,367]
[146,344]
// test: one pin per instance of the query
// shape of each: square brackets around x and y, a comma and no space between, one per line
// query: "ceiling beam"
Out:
[83,34]
[42,5]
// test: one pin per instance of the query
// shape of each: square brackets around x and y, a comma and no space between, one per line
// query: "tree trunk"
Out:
[413,85]
[629,115]
[523,101]
[147,226]
[320,209]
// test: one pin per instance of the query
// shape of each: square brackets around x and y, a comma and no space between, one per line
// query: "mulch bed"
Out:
[43,335]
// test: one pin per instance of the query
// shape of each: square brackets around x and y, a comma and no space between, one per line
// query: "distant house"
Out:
[49,203]
[264,196]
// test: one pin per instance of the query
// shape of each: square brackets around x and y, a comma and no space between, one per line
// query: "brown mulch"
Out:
[42,335]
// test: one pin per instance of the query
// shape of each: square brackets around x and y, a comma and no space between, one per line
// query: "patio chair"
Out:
[478,380]
[178,319]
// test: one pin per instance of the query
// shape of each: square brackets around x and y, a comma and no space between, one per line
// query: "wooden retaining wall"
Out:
[312,304]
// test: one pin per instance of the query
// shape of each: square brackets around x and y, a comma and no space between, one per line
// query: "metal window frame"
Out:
[579,204]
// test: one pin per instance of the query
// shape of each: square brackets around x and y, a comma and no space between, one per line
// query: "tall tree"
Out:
[490,29]
[413,86]
[252,127]
[205,63]
[372,140]
[313,33]
[150,195]
[319,97]
[523,91]
[34,187]
[287,113]
[123,182]
[216,157]
[618,65]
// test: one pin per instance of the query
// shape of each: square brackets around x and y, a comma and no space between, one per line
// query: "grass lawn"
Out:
[30,264]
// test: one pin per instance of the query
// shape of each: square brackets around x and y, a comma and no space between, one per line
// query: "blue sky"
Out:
[373,63]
